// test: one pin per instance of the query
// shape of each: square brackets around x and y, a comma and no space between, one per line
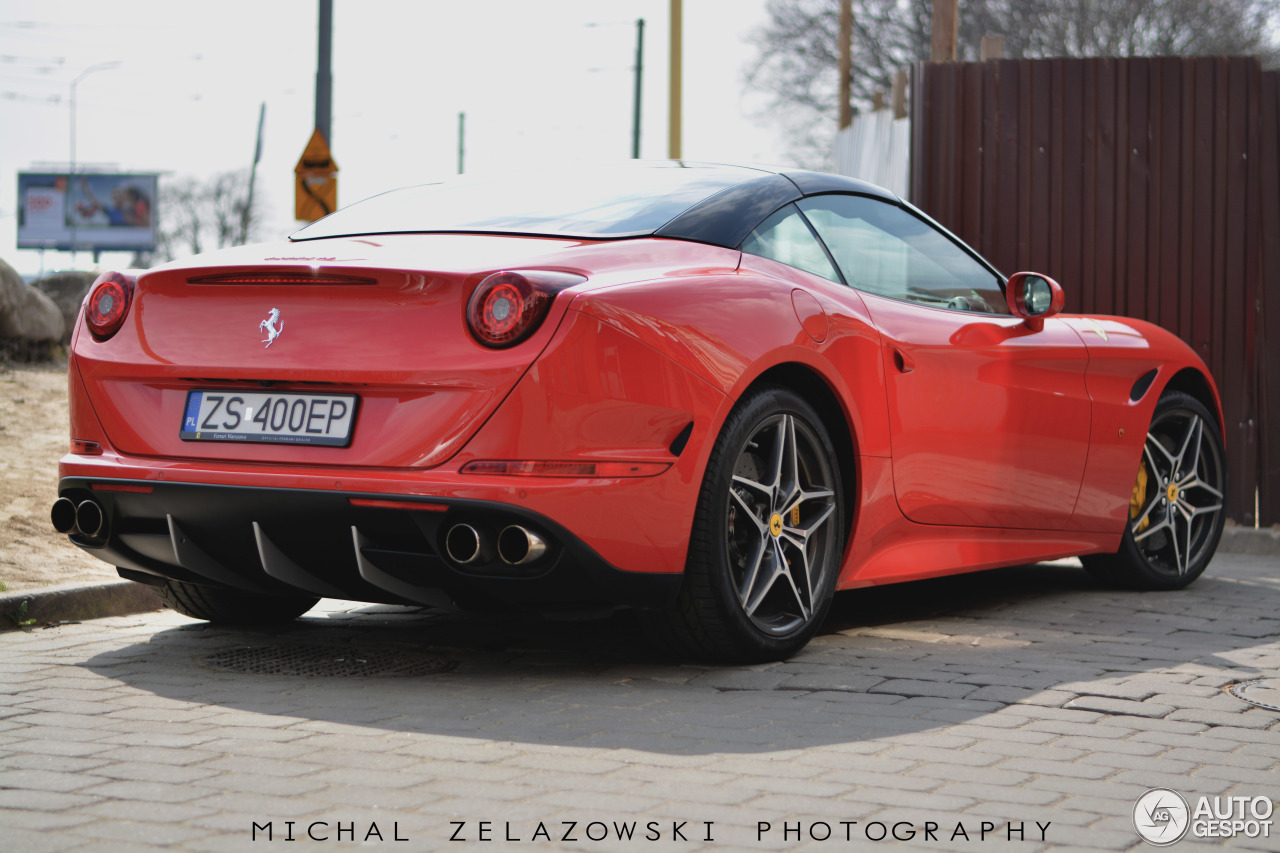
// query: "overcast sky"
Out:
[538,83]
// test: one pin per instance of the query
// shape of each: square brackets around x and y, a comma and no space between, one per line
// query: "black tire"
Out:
[1178,504]
[232,606]
[771,503]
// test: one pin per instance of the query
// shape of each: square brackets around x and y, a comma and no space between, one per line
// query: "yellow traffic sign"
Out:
[316,185]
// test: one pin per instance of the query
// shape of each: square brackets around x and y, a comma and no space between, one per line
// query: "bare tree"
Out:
[1041,28]
[198,214]
[799,44]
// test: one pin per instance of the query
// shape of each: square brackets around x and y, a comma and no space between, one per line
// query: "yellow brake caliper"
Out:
[1139,497]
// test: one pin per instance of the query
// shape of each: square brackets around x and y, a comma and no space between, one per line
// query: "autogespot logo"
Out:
[1161,817]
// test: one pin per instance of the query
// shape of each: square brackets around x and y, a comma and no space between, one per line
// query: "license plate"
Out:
[254,416]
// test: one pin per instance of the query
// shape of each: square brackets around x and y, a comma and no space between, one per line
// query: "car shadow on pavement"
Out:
[890,661]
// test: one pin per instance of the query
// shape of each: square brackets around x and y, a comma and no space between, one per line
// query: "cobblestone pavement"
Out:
[1009,699]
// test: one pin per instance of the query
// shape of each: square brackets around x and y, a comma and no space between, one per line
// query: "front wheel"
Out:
[1176,509]
[767,537]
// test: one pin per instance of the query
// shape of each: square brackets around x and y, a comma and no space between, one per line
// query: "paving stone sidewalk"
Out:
[999,703]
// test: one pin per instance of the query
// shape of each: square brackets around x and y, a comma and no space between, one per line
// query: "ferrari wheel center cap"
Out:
[1172,492]
[775,524]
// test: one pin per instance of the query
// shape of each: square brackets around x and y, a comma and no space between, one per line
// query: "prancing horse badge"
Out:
[269,326]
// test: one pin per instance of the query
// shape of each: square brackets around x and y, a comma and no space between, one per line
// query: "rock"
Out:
[26,314]
[67,290]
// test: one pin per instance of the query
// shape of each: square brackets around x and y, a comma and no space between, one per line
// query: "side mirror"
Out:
[1034,297]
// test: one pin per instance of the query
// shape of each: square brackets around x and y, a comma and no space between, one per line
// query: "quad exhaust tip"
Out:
[463,545]
[86,518]
[518,546]
[63,515]
[90,519]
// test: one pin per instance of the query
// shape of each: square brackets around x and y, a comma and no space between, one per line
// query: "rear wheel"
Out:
[1176,510]
[767,536]
[232,606]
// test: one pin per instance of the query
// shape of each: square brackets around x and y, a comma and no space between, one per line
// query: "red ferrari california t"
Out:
[716,394]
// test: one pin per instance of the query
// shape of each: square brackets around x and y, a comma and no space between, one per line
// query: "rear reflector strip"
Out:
[379,504]
[121,487]
[82,447]
[600,470]
[280,278]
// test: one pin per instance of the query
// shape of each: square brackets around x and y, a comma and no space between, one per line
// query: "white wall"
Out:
[876,148]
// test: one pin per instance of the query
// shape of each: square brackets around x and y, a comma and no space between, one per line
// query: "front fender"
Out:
[1123,352]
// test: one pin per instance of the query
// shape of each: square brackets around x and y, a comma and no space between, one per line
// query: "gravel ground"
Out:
[33,435]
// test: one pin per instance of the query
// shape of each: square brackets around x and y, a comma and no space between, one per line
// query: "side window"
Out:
[886,250]
[786,238]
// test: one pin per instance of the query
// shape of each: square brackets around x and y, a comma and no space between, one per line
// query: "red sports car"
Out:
[716,394]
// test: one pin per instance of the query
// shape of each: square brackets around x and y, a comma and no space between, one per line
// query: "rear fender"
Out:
[742,325]
[598,394]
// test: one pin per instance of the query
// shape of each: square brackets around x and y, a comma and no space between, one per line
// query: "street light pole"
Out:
[324,75]
[635,111]
[676,84]
[71,176]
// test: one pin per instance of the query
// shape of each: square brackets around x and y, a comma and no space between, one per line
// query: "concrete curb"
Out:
[76,603]
[1247,540]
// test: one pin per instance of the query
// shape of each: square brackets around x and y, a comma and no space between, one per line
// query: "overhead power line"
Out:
[35,60]
[31,99]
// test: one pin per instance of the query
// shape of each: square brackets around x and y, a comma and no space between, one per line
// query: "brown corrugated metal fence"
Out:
[1148,188]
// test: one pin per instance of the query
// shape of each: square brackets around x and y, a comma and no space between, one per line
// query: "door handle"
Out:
[902,362]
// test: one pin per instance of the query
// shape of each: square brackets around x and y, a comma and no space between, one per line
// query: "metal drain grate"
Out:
[328,661]
[1264,692]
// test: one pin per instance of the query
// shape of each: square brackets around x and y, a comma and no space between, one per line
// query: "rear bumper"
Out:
[597,395]
[355,545]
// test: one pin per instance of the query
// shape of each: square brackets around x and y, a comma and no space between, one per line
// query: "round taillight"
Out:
[508,306]
[108,304]
[501,310]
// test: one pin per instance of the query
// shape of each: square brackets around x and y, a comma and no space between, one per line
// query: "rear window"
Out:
[629,200]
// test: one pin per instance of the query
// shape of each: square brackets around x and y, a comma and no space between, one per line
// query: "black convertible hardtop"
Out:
[711,203]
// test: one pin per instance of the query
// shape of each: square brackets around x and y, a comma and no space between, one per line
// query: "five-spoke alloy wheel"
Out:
[767,537]
[780,512]
[1176,510]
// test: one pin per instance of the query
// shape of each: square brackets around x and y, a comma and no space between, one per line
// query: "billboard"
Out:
[95,212]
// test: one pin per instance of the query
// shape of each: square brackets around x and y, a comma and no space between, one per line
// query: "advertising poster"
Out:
[93,212]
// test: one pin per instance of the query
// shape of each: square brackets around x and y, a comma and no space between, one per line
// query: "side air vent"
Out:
[677,446]
[1142,385]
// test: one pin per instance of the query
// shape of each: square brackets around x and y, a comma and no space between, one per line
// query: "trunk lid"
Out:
[382,318]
